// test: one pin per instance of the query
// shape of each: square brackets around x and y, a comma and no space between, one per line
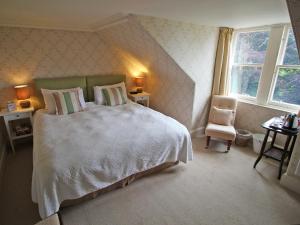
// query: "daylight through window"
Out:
[249,57]
[250,51]
[287,85]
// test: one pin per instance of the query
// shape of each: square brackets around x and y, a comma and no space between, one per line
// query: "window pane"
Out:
[244,80]
[291,56]
[251,47]
[287,87]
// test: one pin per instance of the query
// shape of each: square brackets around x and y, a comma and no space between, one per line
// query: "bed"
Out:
[103,147]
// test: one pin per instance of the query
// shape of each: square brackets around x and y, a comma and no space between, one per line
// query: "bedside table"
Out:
[15,119]
[141,98]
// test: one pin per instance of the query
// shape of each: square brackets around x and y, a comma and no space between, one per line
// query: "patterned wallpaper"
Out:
[172,90]
[294,9]
[193,48]
[250,117]
[295,159]
[180,85]
[177,57]
[28,53]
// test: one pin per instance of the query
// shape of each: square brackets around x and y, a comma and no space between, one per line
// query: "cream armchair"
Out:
[221,119]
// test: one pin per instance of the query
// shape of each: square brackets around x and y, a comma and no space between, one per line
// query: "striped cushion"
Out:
[114,96]
[67,102]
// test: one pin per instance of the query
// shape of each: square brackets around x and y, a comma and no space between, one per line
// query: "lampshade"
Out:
[139,81]
[22,92]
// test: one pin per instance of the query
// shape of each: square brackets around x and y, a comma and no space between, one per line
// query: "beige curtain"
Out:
[222,61]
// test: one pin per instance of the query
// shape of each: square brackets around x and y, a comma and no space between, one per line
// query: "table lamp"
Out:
[23,93]
[139,82]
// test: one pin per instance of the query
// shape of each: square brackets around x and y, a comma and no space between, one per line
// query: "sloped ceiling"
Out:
[90,14]
[164,77]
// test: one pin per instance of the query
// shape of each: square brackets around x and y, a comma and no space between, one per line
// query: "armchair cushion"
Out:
[222,116]
[220,131]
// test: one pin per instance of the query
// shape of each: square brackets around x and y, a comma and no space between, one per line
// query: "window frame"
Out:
[236,33]
[279,65]
[264,98]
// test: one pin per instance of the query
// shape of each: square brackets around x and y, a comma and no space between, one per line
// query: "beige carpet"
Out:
[215,188]
[16,206]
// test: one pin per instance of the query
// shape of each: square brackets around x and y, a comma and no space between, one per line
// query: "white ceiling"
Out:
[88,14]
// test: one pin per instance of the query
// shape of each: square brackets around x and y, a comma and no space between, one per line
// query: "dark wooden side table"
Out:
[276,153]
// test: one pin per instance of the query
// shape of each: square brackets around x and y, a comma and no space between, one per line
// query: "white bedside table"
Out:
[141,98]
[13,117]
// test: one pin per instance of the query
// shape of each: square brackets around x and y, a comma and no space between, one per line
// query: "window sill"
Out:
[273,107]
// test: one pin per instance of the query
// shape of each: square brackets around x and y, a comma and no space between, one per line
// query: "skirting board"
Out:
[198,132]
[290,182]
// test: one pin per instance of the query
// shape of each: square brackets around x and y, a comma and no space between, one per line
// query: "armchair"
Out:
[221,119]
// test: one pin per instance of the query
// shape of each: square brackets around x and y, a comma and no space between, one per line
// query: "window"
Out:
[265,66]
[287,81]
[248,60]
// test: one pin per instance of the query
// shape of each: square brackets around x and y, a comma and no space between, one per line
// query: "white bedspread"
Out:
[77,154]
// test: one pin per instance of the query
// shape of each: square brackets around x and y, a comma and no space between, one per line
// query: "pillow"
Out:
[114,96]
[99,98]
[49,99]
[222,116]
[67,102]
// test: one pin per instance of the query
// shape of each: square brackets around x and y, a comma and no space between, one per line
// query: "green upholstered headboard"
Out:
[101,80]
[59,83]
[87,83]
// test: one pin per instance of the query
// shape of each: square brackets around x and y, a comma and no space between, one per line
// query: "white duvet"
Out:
[77,154]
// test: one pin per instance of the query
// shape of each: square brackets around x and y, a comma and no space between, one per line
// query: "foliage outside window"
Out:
[248,61]
[248,77]
[287,85]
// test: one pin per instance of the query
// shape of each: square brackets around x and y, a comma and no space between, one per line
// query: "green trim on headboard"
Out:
[101,80]
[59,83]
[87,83]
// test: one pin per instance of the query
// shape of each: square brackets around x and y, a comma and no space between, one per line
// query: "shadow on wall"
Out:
[2,150]
[172,90]
[201,119]
[193,48]
[43,53]
[133,65]
[123,48]
[6,94]
[250,117]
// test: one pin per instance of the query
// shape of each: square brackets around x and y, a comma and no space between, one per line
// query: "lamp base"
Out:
[25,104]
[139,89]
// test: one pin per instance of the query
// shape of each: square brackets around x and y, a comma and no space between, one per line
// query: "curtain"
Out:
[220,82]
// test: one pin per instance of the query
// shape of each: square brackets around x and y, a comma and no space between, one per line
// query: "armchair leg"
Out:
[207,142]
[229,142]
